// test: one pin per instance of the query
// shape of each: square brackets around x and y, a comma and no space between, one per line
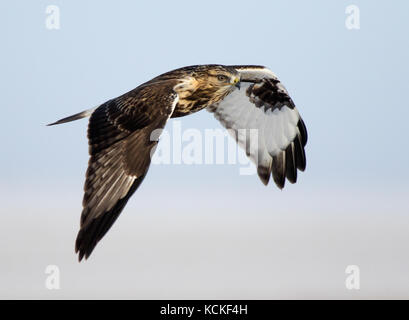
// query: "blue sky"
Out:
[350,87]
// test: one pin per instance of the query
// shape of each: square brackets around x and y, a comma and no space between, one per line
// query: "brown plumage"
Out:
[122,134]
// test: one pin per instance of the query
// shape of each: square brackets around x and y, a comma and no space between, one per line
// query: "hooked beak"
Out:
[237,83]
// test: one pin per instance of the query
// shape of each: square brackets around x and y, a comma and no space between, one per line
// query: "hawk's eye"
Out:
[222,78]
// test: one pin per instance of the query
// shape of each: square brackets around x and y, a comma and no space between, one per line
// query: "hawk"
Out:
[121,141]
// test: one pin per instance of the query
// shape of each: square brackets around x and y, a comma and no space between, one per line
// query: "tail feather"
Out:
[74,117]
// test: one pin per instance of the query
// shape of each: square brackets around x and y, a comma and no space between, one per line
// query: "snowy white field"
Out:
[214,245]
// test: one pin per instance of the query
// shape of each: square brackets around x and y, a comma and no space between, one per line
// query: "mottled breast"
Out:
[195,96]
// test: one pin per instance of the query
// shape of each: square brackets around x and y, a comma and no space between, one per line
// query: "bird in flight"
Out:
[121,141]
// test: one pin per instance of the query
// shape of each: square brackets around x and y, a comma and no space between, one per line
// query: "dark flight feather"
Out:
[89,236]
[120,145]
[299,153]
[278,169]
[264,174]
[290,165]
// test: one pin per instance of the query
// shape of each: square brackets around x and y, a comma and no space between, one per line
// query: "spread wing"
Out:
[265,122]
[120,147]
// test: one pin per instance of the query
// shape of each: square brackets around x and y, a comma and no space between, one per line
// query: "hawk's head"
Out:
[216,79]
[204,85]
[216,76]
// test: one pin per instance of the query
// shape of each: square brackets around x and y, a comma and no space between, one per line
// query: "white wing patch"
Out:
[276,129]
[266,108]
